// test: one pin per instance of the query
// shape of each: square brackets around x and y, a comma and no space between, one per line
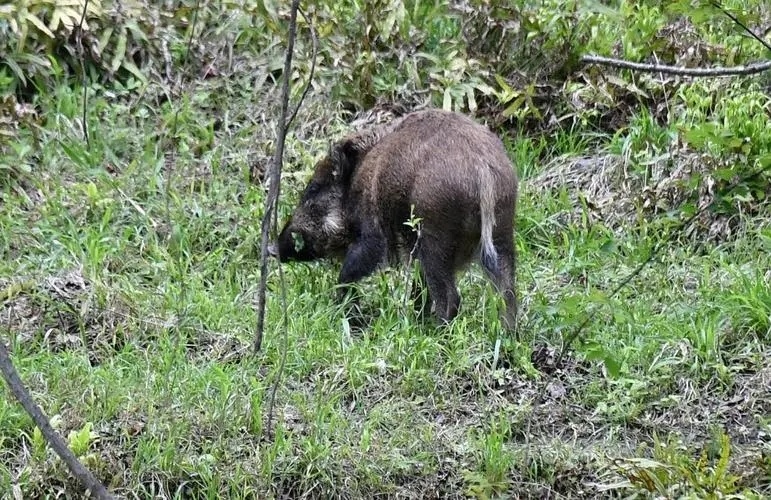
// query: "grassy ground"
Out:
[129,273]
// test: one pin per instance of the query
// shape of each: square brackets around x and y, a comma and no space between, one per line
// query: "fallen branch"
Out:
[90,483]
[678,70]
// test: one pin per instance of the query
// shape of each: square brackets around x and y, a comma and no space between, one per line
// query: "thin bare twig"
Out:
[315,41]
[677,70]
[87,480]
[79,41]
[271,215]
[274,179]
[282,281]
[742,25]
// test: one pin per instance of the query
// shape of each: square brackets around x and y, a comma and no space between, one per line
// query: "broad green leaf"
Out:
[609,246]
[595,7]
[56,18]
[687,209]
[484,88]
[136,31]
[472,102]
[514,107]
[71,18]
[35,59]
[458,65]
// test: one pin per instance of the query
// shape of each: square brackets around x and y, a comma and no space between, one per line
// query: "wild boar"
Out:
[440,167]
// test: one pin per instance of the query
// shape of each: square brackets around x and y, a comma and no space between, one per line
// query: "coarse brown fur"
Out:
[440,167]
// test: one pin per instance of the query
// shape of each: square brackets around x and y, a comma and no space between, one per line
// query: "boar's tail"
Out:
[488,254]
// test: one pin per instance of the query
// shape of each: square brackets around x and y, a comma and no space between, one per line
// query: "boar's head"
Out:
[318,226]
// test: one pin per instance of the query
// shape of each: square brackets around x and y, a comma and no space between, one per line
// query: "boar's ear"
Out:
[345,155]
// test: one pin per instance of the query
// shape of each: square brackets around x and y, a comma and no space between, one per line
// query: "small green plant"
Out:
[38,444]
[491,477]
[80,440]
[673,470]
[411,272]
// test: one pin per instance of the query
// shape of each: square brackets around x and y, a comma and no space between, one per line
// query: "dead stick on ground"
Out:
[274,179]
[89,482]
[677,70]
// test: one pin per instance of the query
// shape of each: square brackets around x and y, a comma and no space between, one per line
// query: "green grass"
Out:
[128,278]
[154,351]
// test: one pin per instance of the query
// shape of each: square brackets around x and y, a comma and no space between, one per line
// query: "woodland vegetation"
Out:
[135,137]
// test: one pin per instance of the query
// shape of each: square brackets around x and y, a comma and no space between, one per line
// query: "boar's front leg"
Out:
[363,258]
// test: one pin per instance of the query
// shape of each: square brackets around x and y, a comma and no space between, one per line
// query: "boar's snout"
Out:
[273,249]
[292,244]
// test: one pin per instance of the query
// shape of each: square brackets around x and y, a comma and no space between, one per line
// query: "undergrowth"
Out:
[129,268]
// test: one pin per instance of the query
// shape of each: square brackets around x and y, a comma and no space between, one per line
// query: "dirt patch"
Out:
[64,312]
[217,346]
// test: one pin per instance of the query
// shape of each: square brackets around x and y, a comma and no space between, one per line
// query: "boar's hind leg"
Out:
[503,276]
[436,261]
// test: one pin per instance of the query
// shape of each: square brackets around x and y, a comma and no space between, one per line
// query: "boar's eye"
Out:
[312,190]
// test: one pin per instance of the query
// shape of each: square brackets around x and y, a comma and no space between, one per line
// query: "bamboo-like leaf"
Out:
[35,59]
[94,6]
[39,24]
[22,37]
[136,31]
[16,69]
[56,18]
[71,18]
[514,107]
[104,39]
[134,70]
[447,102]
[472,102]
[120,52]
